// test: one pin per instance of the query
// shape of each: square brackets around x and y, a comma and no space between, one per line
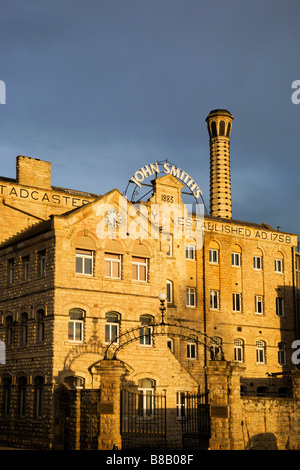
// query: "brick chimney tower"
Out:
[219,127]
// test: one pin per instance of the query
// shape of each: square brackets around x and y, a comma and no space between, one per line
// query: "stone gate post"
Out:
[223,381]
[111,372]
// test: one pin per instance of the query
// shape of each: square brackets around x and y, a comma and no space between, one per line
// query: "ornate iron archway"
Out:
[163,328]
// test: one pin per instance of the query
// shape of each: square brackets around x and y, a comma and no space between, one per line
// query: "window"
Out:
[260,352]
[282,354]
[262,391]
[139,269]
[113,265]
[236,259]
[145,399]
[11,270]
[41,325]
[236,302]
[239,350]
[214,256]
[38,392]
[84,262]
[24,322]
[75,330]
[279,306]
[278,265]
[26,267]
[169,292]
[75,381]
[146,330]
[170,250]
[9,330]
[22,382]
[181,404]
[2,352]
[42,263]
[191,350]
[190,297]
[112,327]
[7,381]
[214,299]
[257,262]
[190,252]
[170,344]
[259,305]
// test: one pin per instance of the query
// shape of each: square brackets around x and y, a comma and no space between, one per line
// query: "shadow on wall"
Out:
[262,441]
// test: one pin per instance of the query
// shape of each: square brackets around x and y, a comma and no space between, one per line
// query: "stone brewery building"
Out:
[94,357]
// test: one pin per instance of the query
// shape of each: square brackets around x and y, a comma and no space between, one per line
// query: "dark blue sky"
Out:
[103,87]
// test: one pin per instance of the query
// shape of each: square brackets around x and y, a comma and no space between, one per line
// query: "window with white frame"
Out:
[236,259]
[190,252]
[278,265]
[181,404]
[145,399]
[190,297]
[257,262]
[213,256]
[236,302]
[260,352]
[146,330]
[113,264]
[282,354]
[239,350]
[169,292]
[84,262]
[76,323]
[214,300]
[139,269]
[112,327]
[279,306]
[259,304]
[191,350]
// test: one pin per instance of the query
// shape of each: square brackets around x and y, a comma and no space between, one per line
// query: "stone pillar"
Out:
[111,372]
[223,381]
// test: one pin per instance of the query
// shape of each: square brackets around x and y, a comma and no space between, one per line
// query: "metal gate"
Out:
[196,422]
[143,420]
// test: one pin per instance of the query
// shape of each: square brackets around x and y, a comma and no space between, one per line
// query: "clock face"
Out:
[113,218]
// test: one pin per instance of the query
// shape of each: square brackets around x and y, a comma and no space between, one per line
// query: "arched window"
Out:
[146,330]
[239,350]
[260,352]
[76,322]
[112,327]
[74,381]
[146,390]
[39,395]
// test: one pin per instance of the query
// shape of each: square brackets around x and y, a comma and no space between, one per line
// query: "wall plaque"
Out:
[106,408]
[219,411]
